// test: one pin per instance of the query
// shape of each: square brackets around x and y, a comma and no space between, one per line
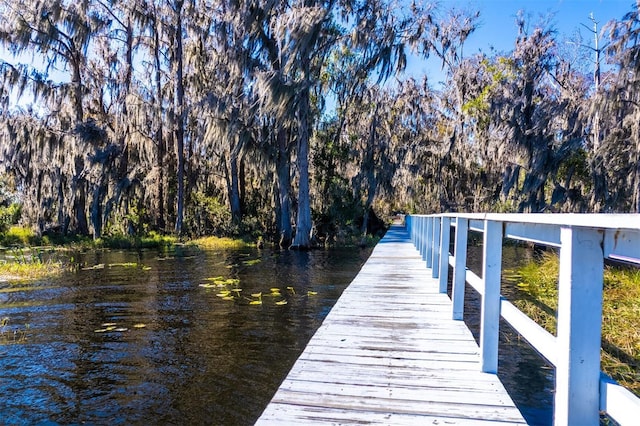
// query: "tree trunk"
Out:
[234,187]
[302,239]
[76,82]
[179,129]
[79,207]
[371,171]
[96,210]
[160,142]
[283,167]
[61,215]
[636,183]
[242,182]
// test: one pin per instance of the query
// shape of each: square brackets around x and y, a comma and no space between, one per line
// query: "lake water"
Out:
[527,376]
[145,338]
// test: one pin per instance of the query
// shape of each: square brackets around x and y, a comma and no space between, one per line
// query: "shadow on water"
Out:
[137,340]
[527,376]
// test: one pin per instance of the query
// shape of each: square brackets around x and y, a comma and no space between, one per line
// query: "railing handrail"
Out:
[589,220]
[582,391]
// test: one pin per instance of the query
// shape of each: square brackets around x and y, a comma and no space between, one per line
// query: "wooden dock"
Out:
[389,353]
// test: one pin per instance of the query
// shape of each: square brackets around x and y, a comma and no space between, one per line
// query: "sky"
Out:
[497,27]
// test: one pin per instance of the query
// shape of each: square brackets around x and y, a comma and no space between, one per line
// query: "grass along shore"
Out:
[537,295]
[22,253]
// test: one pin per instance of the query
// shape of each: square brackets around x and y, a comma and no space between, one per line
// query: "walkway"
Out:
[388,353]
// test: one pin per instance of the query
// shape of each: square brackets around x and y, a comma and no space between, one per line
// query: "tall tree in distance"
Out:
[179,107]
[446,40]
[58,33]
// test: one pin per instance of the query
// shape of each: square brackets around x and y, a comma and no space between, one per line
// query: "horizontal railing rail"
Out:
[584,241]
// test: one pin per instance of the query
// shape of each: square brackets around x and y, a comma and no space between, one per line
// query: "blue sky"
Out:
[497,26]
[498,29]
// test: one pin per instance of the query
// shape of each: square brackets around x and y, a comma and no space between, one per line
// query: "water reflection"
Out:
[173,352]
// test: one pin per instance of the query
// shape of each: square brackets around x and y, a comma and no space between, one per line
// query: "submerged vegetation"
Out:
[537,296]
[229,289]
[17,271]
[19,265]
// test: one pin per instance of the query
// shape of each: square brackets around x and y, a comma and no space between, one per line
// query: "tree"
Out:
[446,40]
[620,151]
[60,33]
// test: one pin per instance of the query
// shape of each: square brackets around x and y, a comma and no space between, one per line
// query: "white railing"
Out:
[584,240]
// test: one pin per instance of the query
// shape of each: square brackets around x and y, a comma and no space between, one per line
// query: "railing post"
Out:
[414,230]
[423,245]
[419,236]
[445,235]
[429,242]
[490,314]
[460,268]
[579,327]
[435,261]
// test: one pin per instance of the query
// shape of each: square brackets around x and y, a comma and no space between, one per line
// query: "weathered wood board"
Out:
[389,353]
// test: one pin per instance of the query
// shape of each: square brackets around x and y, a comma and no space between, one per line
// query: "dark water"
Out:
[146,344]
[527,376]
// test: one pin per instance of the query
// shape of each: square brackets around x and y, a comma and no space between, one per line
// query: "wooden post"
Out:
[420,234]
[435,261]
[423,248]
[460,268]
[429,242]
[414,225]
[445,235]
[579,327]
[490,314]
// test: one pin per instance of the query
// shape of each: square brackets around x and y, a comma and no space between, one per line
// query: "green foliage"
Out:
[138,219]
[576,167]
[19,236]
[218,243]
[207,215]
[9,215]
[31,264]
[537,283]
[151,240]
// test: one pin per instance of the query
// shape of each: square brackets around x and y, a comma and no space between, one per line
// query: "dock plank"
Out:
[389,353]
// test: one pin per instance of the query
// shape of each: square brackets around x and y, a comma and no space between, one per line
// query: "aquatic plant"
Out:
[7,337]
[22,264]
[107,327]
[217,243]
[258,300]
